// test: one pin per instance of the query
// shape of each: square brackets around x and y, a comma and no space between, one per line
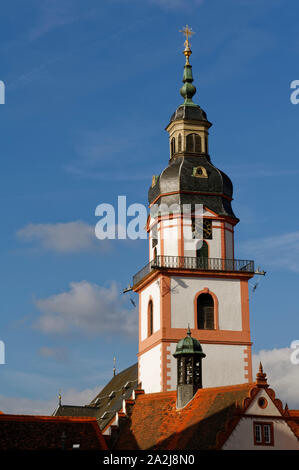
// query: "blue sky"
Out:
[90,87]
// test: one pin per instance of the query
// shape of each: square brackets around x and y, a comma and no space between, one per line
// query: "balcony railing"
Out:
[191,262]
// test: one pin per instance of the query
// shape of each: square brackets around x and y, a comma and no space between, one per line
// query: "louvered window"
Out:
[205,312]
[193,143]
[172,146]
[179,143]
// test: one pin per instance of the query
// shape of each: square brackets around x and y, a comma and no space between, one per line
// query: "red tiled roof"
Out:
[294,422]
[155,423]
[24,432]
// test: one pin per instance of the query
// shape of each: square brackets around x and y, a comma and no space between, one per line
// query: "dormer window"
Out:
[199,172]
[193,143]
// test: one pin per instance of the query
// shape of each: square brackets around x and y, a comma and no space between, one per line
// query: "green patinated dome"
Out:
[189,345]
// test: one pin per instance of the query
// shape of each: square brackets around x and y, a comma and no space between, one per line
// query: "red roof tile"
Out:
[155,423]
[24,432]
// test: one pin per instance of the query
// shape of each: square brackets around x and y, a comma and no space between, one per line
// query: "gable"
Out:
[257,407]
[242,437]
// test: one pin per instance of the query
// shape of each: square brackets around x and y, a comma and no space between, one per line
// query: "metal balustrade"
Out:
[193,263]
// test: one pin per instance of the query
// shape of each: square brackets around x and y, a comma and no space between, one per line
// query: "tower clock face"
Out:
[207,229]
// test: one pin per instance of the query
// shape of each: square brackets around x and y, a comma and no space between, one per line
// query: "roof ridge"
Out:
[226,387]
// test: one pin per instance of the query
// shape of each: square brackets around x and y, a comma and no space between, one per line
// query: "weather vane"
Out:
[188,33]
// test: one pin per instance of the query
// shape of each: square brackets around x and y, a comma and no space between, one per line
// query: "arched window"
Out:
[193,143]
[202,255]
[150,320]
[203,250]
[205,312]
[172,146]
[179,143]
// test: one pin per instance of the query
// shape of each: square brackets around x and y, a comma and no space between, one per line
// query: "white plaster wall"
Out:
[242,437]
[184,289]
[223,365]
[229,244]
[152,290]
[215,243]
[255,409]
[173,367]
[170,235]
[150,370]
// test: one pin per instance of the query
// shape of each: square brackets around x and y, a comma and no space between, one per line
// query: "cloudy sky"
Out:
[90,87]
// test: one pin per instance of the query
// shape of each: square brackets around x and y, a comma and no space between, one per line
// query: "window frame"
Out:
[150,318]
[193,143]
[262,425]
[205,318]
[172,146]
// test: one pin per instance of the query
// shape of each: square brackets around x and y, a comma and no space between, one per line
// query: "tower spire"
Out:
[261,378]
[188,90]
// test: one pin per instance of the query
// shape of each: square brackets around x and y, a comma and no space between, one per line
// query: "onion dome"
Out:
[189,346]
[180,184]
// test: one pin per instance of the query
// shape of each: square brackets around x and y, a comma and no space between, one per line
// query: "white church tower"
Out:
[192,277]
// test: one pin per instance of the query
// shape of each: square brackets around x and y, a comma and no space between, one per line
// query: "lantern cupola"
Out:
[189,355]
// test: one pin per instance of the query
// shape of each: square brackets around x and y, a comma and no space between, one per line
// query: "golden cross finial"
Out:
[187,32]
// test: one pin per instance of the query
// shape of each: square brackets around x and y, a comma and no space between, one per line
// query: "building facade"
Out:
[192,277]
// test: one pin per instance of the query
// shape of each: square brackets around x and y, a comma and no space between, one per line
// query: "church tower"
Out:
[192,276]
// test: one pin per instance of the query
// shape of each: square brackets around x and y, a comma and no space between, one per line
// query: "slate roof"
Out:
[189,113]
[177,185]
[155,423]
[102,404]
[24,432]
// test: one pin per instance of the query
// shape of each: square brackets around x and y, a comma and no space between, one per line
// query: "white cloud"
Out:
[88,308]
[282,375]
[66,237]
[266,250]
[17,405]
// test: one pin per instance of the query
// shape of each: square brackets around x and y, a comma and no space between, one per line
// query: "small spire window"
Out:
[179,143]
[172,146]
[193,143]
